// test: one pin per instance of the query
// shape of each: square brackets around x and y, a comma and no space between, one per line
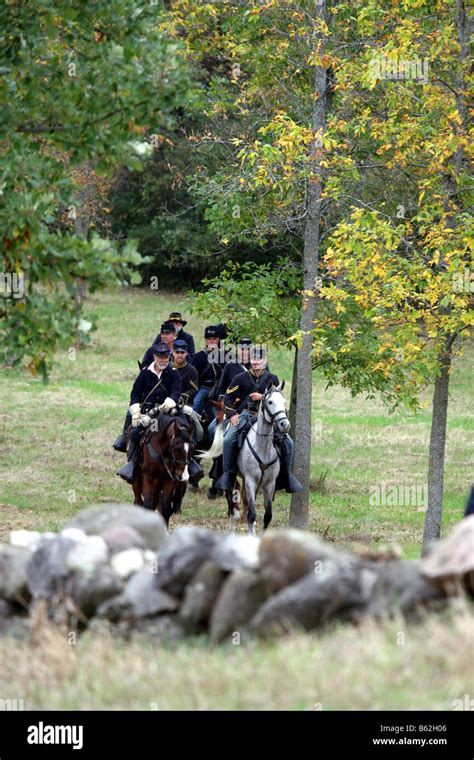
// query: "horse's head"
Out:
[273,408]
[179,450]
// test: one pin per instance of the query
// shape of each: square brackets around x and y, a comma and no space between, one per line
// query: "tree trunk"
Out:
[302,459]
[432,529]
[439,417]
[294,391]
[81,227]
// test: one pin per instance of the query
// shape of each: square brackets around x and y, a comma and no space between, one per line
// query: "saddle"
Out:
[242,430]
[160,423]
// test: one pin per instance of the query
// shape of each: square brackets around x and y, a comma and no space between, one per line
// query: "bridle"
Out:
[272,415]
[158,456]
[273,418]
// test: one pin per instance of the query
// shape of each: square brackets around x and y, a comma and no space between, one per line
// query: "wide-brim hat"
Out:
[175,316]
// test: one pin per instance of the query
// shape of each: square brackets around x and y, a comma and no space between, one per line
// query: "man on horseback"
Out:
[168,335]
[187,373]
[209,367]
[176,319]
[231,370]
[157,386]
[242,402]
[189,387]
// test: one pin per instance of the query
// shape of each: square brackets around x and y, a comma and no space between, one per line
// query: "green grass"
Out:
[57,458]
[371,667]
[56,439]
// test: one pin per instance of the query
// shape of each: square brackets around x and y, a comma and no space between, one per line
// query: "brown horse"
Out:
[162,466]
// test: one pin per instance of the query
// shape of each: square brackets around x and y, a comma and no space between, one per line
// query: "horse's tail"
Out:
[217,444]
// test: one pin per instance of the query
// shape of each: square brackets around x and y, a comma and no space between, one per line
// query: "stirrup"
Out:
[120,443]
[127,472]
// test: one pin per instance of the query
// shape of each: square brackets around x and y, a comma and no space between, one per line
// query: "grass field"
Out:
[423,667]
[56,458]
[57,455]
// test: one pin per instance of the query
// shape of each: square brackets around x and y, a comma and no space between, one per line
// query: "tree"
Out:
[405,271]
[81,83]
[393,211]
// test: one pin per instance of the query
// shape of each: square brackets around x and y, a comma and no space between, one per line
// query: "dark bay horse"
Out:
[162,466]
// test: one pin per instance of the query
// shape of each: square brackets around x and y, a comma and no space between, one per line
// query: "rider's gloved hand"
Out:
[145,420]
[135,412]
[187,409]
[167,405]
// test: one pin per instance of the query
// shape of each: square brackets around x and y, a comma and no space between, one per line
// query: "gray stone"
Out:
[165,630]
[121,537]
[88,553]
[338,589]
[287,555]
[48,570]
[103,517]
[241,596]
[128,562]
[233,552]
[401,587]
[140,598]
[13,621]
[200,596]
[451,562]
[187,549]
[89,593]
[13,572]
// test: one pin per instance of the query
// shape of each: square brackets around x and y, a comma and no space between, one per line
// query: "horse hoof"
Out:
[236,514]
[252,531]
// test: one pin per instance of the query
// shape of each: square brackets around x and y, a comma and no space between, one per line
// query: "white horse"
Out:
[258,462]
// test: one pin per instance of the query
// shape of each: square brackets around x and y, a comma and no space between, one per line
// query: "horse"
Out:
[258,462]
[162,467]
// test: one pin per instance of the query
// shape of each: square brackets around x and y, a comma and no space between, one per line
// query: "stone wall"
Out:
[115,567]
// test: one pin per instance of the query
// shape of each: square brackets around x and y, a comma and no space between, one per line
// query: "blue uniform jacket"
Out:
[148,387]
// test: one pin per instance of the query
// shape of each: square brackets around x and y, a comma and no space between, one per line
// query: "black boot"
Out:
[214,493]
[120,443]
[127,472]
[293,485]
[195,473]
[227,481]
[286,479]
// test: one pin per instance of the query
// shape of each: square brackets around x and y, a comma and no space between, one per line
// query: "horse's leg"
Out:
[137,487]
[165,499]
[147,489]
[245,504]
[234,498]
[250,490]
[268,491]
[230,506]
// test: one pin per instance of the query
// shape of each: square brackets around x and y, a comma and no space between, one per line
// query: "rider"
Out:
[231,369]
[159,386]
[209,367]
[189,387]
[235,367]
[176,319]
[188,374]
[242,402]
[168,335]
